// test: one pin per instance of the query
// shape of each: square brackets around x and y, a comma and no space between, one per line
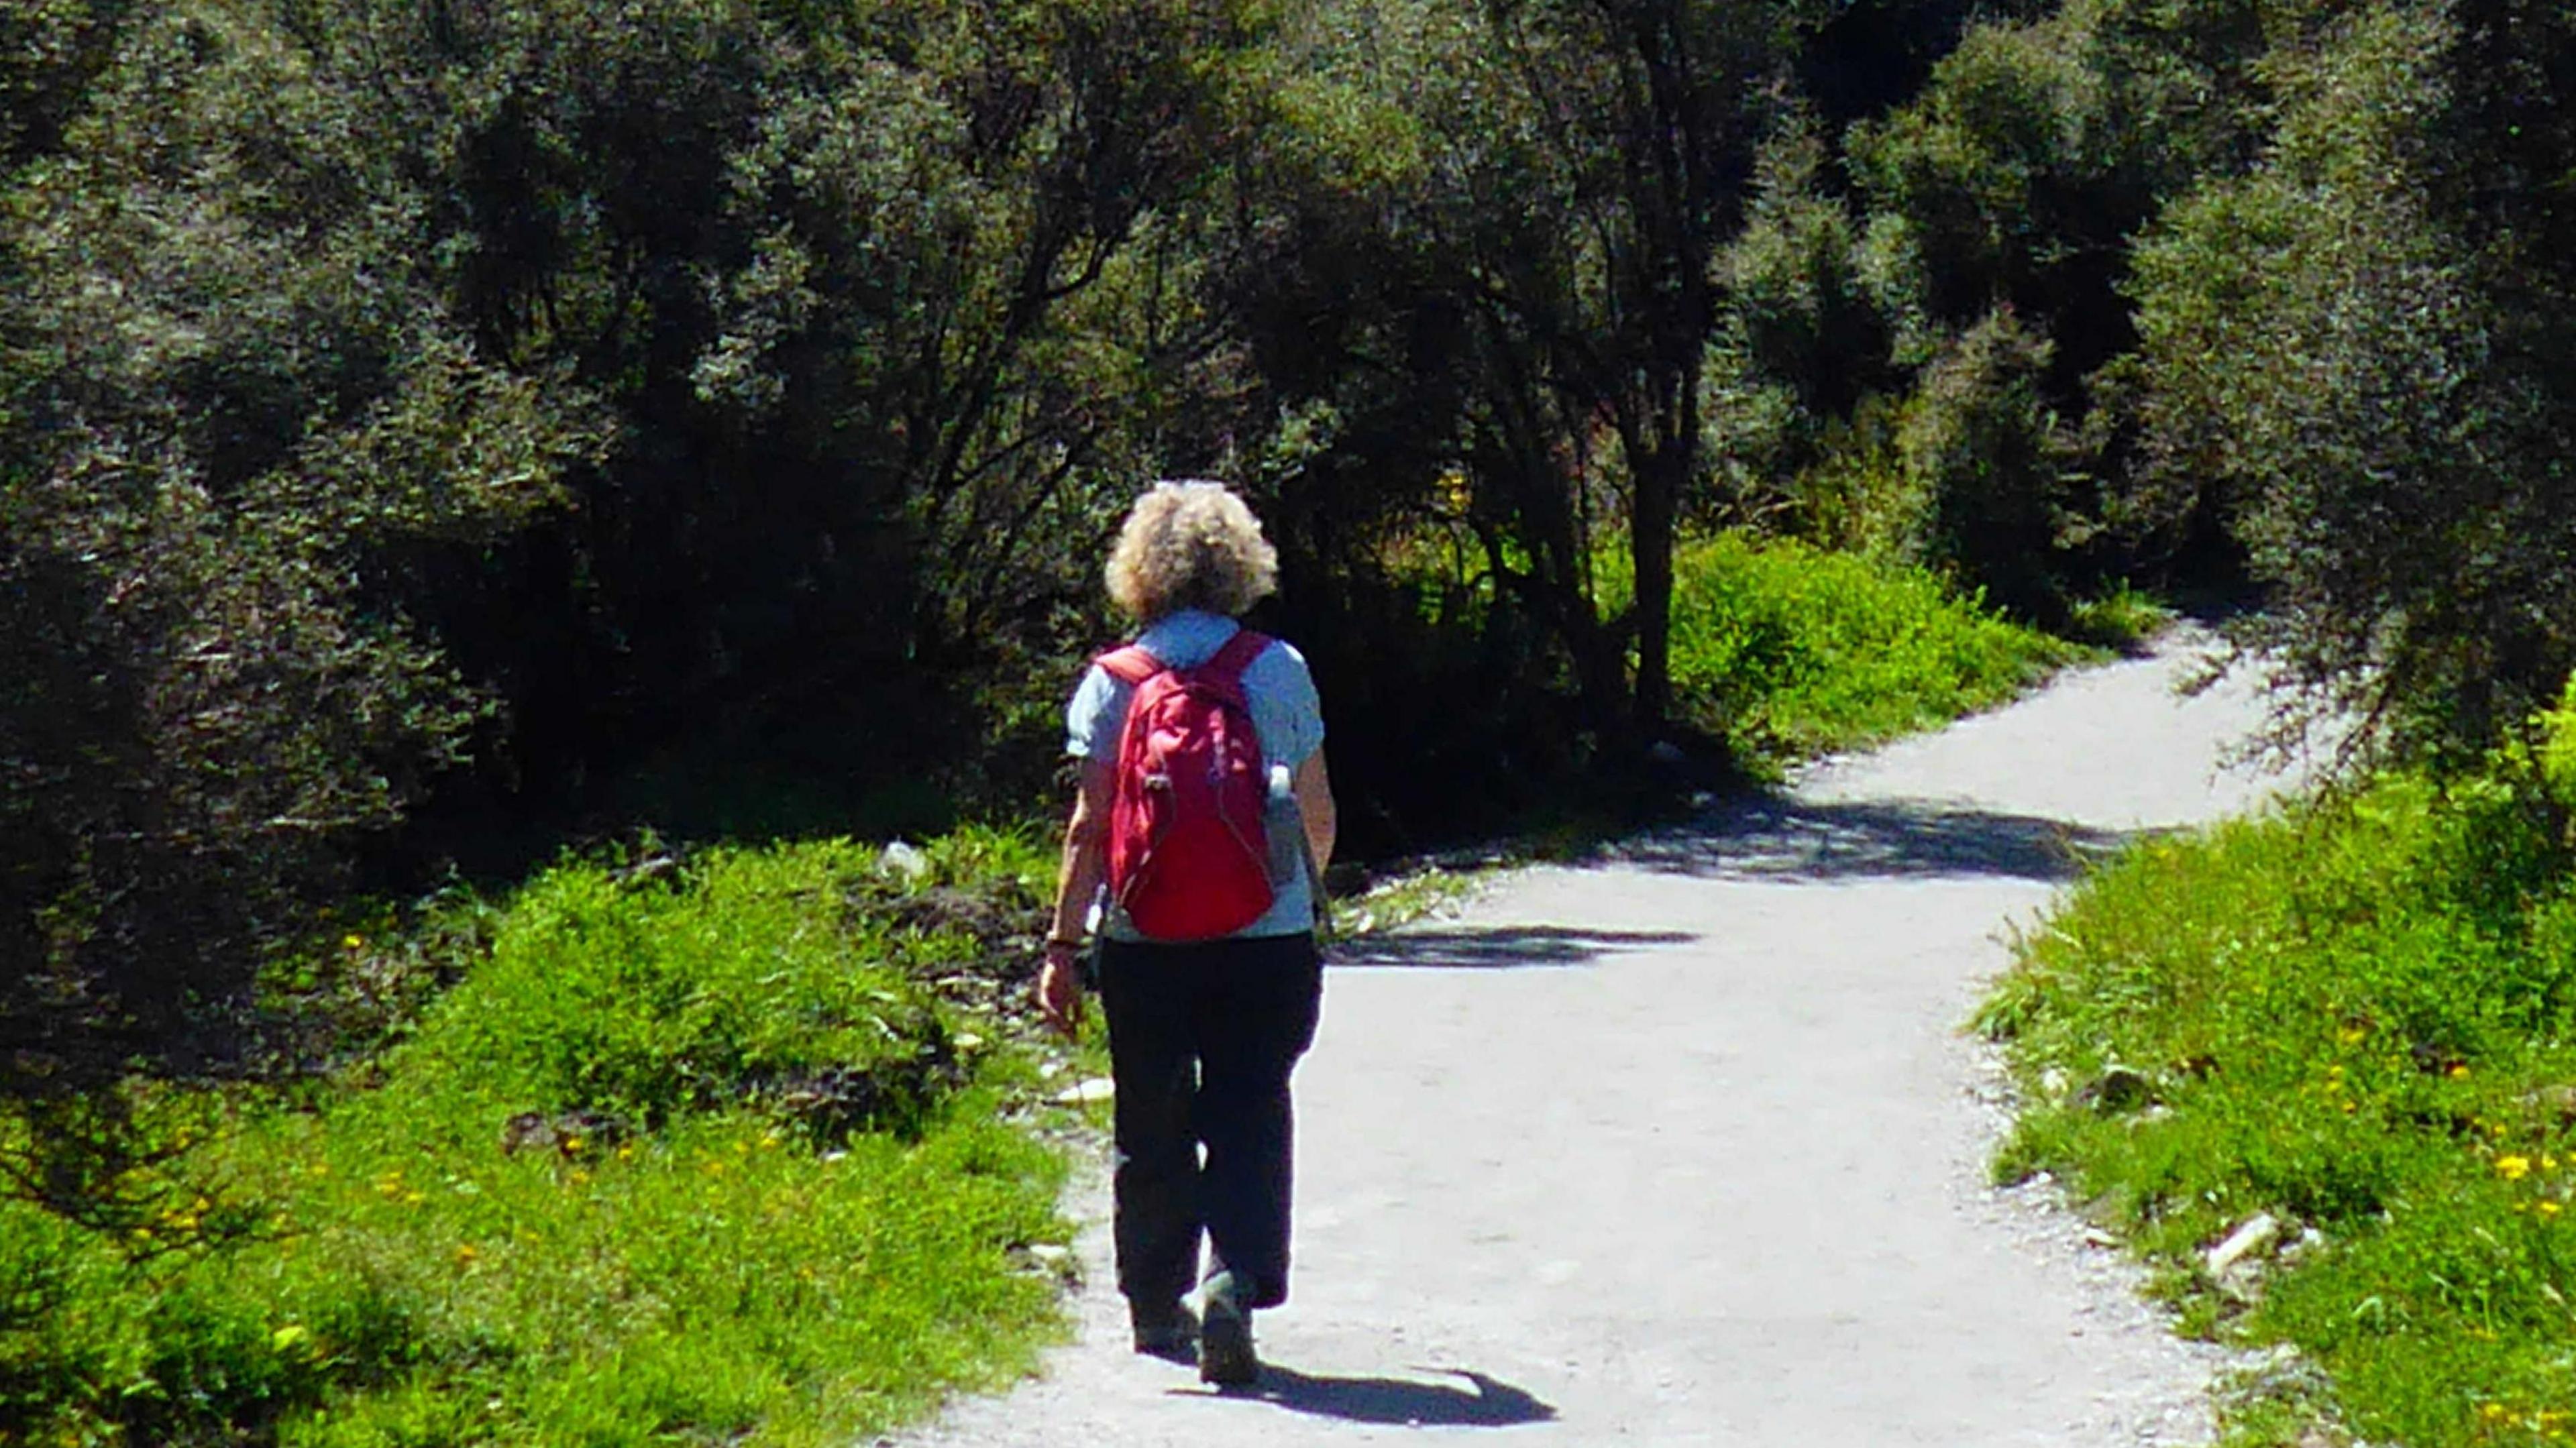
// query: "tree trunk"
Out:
[1658,478]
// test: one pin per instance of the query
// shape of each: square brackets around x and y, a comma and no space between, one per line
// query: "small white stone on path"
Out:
[906,861]
[2256,1234]
[1086,1093]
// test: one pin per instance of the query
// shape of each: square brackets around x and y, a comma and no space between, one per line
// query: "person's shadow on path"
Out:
[1398,1402]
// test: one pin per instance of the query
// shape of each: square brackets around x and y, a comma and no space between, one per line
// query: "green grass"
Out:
[2360,1018]
[1421,893]
[1787,650]
[2122,618]
[761,1189]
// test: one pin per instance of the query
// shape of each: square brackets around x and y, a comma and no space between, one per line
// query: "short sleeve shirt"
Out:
[1286,714]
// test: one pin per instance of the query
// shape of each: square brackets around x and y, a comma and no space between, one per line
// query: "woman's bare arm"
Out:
[1314,789]
[1085,865]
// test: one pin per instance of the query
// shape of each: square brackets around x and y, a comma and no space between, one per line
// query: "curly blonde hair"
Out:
[1190,545]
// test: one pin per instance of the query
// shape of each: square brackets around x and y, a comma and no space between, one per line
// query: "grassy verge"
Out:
[2122,618]
[1787,650]
[714,1152]
[2358,1024]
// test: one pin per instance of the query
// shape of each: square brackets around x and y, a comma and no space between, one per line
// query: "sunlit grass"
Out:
[2360,1019]
[691,1157]
[1788,650]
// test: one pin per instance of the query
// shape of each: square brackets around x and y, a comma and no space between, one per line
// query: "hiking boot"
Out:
[1163,1330]
[1225,1335]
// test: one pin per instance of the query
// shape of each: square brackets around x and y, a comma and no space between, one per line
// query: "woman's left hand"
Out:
[1060,989]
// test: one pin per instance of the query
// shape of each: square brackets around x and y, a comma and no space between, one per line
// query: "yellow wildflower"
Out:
[2513,1168]
[2459,1071]
[2550,1209]
[466,1253]
[351,942]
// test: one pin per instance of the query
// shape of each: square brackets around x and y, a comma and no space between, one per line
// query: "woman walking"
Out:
[1211,988]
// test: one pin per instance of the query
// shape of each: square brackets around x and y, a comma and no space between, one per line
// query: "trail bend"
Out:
[1683,1146]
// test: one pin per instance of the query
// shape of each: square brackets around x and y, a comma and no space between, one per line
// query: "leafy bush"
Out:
[1786,650]
[1857,494]
[2557,752]
[2121,617]
[231,404]
[2354,1016]
[1991,462]
[699,1152]
[2345,357]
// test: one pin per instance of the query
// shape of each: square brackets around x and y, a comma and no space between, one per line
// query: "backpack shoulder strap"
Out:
[1131,665]
[1237,655]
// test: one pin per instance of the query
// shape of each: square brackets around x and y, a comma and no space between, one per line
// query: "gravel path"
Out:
[1685,1148]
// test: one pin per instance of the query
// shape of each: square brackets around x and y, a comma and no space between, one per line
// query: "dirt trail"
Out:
[1684,1147]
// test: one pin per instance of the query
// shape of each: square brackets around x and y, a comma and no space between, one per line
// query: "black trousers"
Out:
[1202,1039]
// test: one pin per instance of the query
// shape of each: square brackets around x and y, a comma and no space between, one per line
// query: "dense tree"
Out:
[227,395]
[2356,357]
[711,410]
[1589,161]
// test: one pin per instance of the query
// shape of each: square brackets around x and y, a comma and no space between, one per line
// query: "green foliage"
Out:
[2355,1017]
[1991,462]
[2037,147]
[538,380]
[2005,115]
[2342,359]
[1787,651]
[231,403]
[50,51]
[664,1165]
[2557,754]
[1588,167]
[639,1001]
[1801,303]
[1858,494]
[2120,617]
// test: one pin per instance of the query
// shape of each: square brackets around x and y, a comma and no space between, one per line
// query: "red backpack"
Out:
[1189,858]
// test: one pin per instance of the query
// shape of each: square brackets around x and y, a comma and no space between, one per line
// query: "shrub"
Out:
[2119,617]
[231,404]
[1986,454]
[1857,495]
[2344,356]
[1787,650]
[2558,748]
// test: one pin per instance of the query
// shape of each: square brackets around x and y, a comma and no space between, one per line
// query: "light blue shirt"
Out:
[1286,715]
